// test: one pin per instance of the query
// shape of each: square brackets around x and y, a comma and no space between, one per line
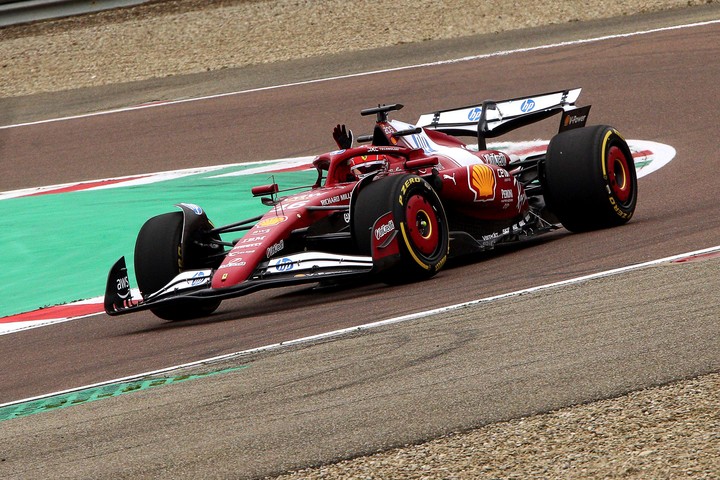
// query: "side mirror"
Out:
[260,190]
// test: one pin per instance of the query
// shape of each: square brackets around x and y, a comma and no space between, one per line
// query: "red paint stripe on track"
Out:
[59,312]
[697,258]
[86,186]
[297,168]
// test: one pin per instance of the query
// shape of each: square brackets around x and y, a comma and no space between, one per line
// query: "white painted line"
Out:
[381,323]
[661,155]
[375,72]
[148,178]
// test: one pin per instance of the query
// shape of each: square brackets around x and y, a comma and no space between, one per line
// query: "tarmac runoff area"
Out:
[440,377]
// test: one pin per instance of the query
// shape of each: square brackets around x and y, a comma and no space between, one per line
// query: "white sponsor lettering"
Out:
[328,201]
[123,283]
[255,239]
[249,245]
[495,158]
[383,230]
[232,264]
[336,199]
[275,248]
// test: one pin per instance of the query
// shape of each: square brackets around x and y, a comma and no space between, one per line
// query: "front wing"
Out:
[305,267]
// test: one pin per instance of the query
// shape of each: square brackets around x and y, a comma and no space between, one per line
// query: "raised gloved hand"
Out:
[343,136]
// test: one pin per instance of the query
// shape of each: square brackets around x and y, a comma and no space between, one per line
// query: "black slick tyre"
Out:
[418,218]
[589,179]
[158,260]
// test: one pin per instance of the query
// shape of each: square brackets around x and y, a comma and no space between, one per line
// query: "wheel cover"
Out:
[619,174]
[422,225]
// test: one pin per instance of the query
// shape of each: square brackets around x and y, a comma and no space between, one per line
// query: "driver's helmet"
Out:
[366,164]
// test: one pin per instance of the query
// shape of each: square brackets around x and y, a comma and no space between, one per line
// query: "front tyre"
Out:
[418,218]
[158,259]
[589,179]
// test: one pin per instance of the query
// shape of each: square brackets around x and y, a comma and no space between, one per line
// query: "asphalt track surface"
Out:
[398,384]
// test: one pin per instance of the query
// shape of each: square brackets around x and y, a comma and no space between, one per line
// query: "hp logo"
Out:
[474,114]
[284,265]
[527,105]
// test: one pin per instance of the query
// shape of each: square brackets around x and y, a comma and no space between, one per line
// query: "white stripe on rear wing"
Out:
[498,113]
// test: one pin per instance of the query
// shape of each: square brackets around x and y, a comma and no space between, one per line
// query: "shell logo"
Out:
[271,222]
[482,182]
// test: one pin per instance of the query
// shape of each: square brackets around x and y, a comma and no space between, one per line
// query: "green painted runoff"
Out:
[80,397]
[58,248]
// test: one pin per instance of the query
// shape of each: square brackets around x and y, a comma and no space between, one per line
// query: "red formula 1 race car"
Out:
[395,207]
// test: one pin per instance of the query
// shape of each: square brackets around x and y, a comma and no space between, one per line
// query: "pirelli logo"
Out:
[481,180]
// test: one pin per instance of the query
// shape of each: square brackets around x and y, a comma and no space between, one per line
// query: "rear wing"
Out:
[494,118]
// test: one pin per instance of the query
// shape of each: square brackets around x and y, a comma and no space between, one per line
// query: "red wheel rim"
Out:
[422,225]
[619,174]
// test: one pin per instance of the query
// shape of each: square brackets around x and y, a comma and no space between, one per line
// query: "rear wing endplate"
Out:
[494,118]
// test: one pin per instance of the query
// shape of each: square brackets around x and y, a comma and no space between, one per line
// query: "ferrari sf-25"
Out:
[393,205]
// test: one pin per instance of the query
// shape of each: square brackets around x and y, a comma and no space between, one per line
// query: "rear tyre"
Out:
[158,260]
[589,179]
[419,220]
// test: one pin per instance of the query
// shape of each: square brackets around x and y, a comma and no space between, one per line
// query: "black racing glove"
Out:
[343,137]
